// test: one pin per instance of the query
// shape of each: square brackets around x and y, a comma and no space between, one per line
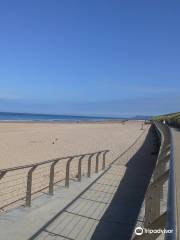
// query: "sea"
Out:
[35,117]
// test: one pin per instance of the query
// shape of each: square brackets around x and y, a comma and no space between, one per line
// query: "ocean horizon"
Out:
[35,117]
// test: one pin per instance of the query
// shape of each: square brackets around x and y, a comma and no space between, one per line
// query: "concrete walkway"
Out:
[176,144]
[103,207]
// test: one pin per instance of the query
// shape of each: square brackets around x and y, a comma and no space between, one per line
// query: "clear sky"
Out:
[90,57]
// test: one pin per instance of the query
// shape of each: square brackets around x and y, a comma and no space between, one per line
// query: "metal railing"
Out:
[172,206]
[19,184]
[161,189]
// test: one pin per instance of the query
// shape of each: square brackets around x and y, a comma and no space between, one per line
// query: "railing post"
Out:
[158,223]
[79,168]
[152,199]
[152,204]
[104,160]
[89,165]
[97,162]
[148,205]
[67,172]
[29,186]
[161,167]
[156,201]
[51,178]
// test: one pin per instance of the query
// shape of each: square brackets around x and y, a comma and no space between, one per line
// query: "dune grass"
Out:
[173,119]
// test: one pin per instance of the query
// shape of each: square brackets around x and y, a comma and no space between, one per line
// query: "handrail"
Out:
[154,194]
[172,218]
[12,179]
[171,222]
[47,161]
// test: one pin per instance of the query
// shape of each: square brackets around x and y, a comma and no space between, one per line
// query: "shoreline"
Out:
[66,122]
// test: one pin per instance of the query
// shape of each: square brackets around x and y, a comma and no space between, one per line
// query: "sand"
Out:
[28,143]
[25,143]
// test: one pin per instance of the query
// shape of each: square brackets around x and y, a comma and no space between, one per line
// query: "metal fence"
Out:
[19,185]
[159,206]
[172,207]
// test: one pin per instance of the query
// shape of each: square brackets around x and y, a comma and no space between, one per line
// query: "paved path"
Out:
[109,208]
[105,208]
[176,143]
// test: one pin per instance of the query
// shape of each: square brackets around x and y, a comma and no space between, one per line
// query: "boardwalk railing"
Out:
[172,222]
[19,184]
[160,200]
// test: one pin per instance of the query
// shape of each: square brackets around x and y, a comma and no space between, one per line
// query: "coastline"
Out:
[66,122]
[37,117]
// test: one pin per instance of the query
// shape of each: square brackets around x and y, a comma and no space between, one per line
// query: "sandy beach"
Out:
[25,143]
[28,143]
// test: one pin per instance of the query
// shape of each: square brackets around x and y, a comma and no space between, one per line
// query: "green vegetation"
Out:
[172,119]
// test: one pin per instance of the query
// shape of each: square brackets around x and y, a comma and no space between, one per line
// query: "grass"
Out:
[173,119]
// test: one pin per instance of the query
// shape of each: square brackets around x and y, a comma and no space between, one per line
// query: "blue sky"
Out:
[98,57]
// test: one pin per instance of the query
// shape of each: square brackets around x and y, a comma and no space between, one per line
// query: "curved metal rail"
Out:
[20,183]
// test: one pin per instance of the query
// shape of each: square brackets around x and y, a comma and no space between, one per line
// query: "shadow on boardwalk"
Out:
[121,216]
[117,220]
